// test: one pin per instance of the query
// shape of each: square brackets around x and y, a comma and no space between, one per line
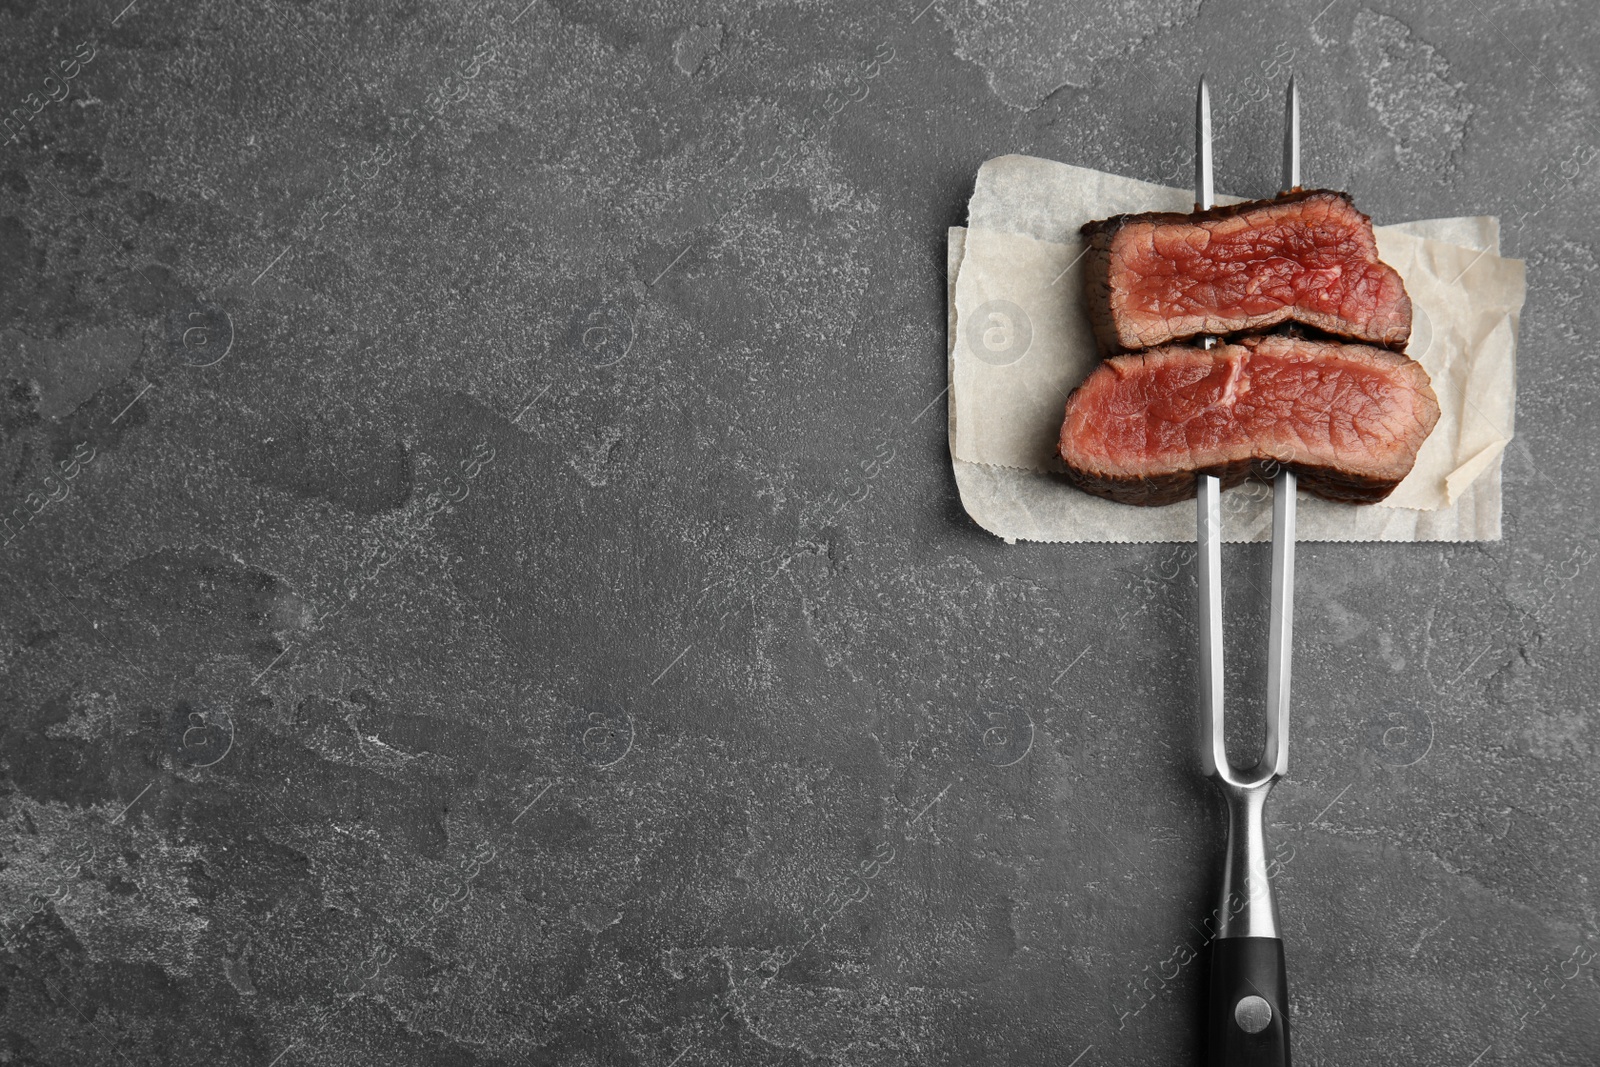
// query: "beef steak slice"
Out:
[1348,419]
[1307,257]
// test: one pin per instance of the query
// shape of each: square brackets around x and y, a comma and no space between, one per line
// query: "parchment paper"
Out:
[1020,341]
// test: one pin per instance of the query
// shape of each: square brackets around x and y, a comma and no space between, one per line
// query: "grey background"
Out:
[549,633]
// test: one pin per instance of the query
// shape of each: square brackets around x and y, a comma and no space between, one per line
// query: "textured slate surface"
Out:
[485,584]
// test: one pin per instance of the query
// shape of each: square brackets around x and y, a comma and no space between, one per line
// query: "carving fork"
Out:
[1248,1014]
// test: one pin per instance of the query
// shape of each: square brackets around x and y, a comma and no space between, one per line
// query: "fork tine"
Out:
[1208,506]
[1280,633]
[1204,193]
[1291,137]
[1280,627]
[1213,749]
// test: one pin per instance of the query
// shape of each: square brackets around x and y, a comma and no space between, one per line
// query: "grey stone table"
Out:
[484,582]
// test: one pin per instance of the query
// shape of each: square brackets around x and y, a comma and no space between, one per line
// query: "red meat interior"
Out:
[1183,409]
[1309,256]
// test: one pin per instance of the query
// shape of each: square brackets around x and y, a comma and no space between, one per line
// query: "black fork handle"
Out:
[1249,1011]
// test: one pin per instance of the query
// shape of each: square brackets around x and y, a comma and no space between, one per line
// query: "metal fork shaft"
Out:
[1248,908]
